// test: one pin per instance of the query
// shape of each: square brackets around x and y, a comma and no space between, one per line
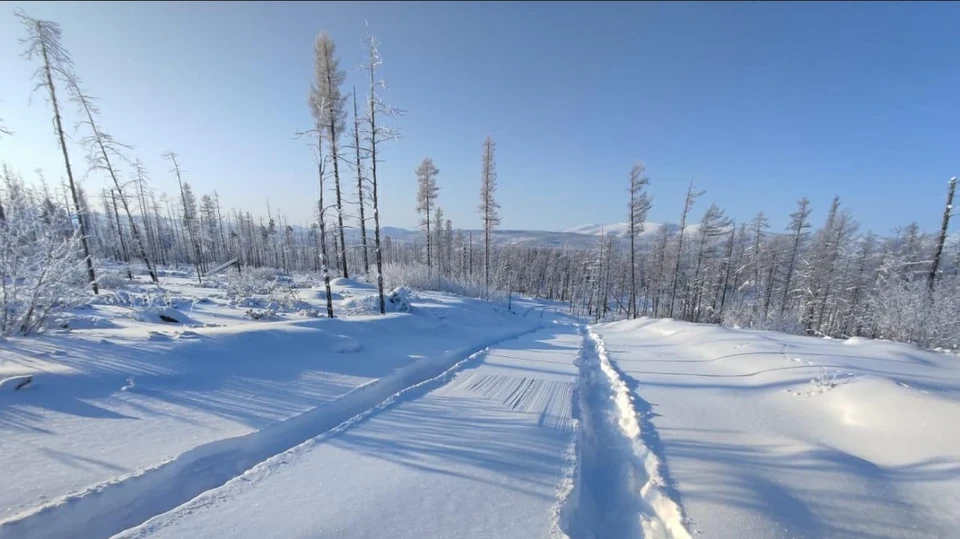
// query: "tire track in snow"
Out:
[128,501]
[617,487]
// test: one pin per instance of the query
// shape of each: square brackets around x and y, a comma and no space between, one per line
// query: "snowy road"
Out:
[479,452]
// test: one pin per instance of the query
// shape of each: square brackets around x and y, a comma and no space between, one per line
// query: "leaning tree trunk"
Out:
[58,123]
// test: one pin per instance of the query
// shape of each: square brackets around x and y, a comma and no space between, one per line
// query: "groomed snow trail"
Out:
[479,452]
[618,489]
[127,501]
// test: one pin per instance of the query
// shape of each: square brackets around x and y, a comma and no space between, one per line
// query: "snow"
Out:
[453,417]
[756,448]
[113,413]
[478,452]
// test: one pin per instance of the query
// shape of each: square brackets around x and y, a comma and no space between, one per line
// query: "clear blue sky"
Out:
[758,103]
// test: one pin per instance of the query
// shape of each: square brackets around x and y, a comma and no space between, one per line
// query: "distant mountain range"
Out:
[581,237]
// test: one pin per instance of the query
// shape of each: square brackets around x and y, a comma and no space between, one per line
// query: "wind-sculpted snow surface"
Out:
[766,435]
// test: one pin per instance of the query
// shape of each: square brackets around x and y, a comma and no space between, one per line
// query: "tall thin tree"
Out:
[375,134]
[189,208]
[489,208]
[799,222]
[43,42]
[942,236]
[639,206]
[100,146]
[330,102]
[360,188]
[426,195]
[688,203]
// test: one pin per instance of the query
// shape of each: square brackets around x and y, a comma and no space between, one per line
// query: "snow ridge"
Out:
[127,501]
[617,489]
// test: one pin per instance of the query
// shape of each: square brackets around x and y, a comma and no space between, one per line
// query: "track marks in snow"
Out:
[125,502]
[548,398]
[617,486]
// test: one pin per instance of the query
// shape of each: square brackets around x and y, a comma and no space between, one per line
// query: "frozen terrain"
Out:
[767,435]
[453,417]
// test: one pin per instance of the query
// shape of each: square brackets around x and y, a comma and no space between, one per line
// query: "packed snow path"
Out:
[481,451]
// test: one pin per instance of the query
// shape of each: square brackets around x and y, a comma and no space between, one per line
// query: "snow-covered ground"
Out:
[479,452]
[131,416]
[457,418]
[755,449]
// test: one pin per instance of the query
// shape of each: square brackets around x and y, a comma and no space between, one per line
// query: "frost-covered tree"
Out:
[799,223]
[41,270]
[43,43]
[189,214]
[639,207]
[360,186]
[688,202]
[376,133]
[441,261]
[426,195]
[329,103]
[489,208]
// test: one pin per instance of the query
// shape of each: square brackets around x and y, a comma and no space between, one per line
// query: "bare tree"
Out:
[942,236]
[329,102]
[375,134]
[360,188]
[189,210]
[440,259]
[688,203]
[639,206]
[488,206]
[43,41]
[426,194]
[100,146]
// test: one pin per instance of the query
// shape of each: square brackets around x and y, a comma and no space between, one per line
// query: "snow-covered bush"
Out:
[824,380]
[418,276]
[40,260]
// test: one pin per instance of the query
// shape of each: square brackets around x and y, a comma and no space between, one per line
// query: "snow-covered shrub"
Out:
[824,380]
[418,276]
[399,300]
[260,314]
[112,277]
[40,260]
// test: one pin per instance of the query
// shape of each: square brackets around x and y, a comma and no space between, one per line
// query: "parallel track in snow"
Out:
[125,502]
[617,487]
